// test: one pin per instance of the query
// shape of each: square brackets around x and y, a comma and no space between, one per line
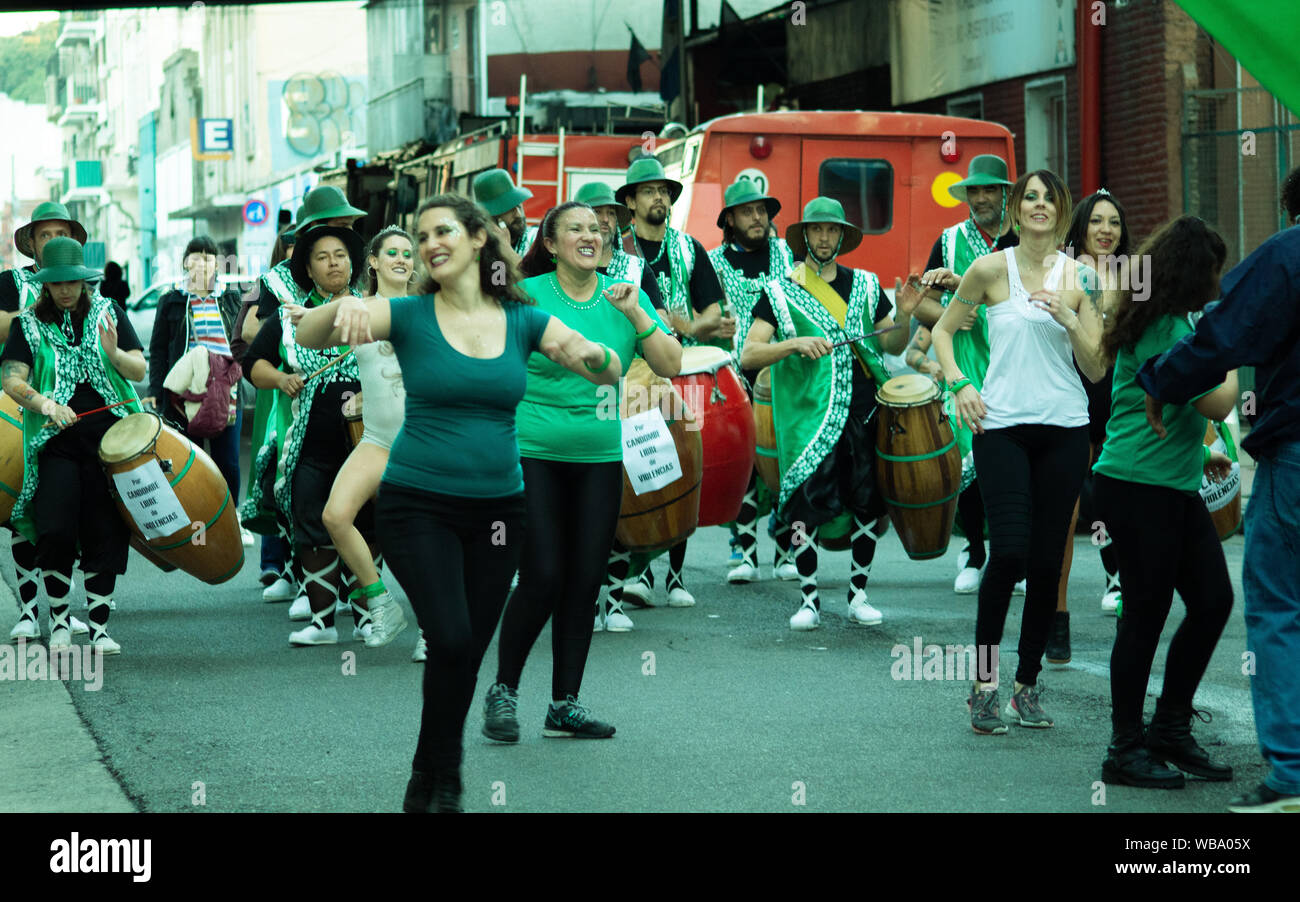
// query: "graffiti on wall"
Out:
[314,115]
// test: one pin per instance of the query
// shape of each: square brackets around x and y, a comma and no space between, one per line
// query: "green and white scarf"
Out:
[281,282]
[58,368]
[526,240]
[675,286]
[623,267]
[29,290]
[743,292]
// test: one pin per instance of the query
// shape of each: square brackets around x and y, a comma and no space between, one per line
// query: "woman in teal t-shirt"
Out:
[570,442]
[450,511]
[1146,489]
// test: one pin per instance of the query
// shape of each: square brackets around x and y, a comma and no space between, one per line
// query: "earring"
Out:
[552,258]
[476,256]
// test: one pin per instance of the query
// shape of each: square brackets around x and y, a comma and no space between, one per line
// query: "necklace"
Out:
[563,296]
[67,327]
[662,244]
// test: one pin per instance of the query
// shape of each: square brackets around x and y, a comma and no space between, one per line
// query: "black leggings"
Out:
[1029,477]
[970,507]
[572,514]
[454,558]
[1164,540]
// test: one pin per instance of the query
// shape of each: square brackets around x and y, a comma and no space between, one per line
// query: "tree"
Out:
[23,58]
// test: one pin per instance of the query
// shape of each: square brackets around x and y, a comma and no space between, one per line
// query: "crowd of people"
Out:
[378,365]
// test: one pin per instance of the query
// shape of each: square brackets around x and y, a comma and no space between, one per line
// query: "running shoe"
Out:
[387,620]
[500,714]
[1024,709]
[570,719]
[1264,798]
[984,717]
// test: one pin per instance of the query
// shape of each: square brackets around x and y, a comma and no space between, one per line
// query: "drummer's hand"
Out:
[296,312]
[290,384]
[970,408]
[908,296]
[108,336]
[941,277]
[810,347]
[1220,466]
[932,369]
[63,416]
[353,322]
[151,402]
[624,296]
[1155,416]
[726,327]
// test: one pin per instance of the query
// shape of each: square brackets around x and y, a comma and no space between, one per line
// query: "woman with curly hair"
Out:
[1146,489]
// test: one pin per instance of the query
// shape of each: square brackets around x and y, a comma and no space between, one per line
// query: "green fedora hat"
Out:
[495,191]
[598,194]
[45,213]
[647,169]
[324,202]
[744,191]
[985,169]
[63,262]
[822,209]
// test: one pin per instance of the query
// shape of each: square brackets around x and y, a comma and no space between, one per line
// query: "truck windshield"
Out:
[864,187]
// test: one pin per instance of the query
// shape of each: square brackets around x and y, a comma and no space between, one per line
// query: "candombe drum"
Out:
[664,517]
[918,466]
[1223,498]
[352,416]
[765,459]
[11,454]
[163,486]
[713,392]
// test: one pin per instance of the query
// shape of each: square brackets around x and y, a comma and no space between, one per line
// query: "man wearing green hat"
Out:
[497,193]
[987,229]
[826,368]
[747,258]
[692,299]
[19,289]
[613,217]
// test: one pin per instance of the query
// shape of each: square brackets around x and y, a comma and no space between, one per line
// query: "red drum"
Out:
[712,390]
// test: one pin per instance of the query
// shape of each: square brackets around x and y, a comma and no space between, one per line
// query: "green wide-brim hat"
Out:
[44,213]
[647,169]
[822,209]
[307,240]
[744,191]
[63,262]
[496,192]
[985,169]
[598,194]
[325,202]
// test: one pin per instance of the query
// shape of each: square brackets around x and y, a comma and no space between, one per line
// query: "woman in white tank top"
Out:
[1030,425]
[390,263]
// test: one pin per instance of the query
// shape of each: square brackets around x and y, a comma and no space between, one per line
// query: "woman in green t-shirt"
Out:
[1146,489]
[571,451]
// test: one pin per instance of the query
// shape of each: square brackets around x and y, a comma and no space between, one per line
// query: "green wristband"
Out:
[604,366]
[960,384]
[1206,454]
[642,336]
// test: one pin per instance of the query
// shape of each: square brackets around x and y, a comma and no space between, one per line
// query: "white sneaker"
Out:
[300,609]
[743,573]
[1021,587]
[968,581]
[314,635]
[280,590]
[679,598]
[106,646]
[638,588]
[60,638]
[387,619]
[787,571]
[963,558]
[598,626]
[421,653]
[342,608]
[616,621]
[861,613]
[78,628]
[806,618]
[25,629]
[1110,602]
[362,633]
[246,536]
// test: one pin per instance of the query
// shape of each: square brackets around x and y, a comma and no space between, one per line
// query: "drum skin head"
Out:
[907,390]
[703,359]
[129,436]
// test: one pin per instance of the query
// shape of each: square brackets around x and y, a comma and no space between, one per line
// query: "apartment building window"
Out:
[864,187]
[969,106]
[1045,126]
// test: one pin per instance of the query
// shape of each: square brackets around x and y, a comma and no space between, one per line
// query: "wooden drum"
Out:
[664,517]
[1222,498]
[714,393]
[765,459]
[918,467]
[164,485]
[11,454]
[352,416]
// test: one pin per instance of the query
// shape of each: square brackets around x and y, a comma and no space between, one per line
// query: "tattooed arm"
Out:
[14,375]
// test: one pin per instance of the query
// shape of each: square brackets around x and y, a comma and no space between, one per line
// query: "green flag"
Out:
[1262,36]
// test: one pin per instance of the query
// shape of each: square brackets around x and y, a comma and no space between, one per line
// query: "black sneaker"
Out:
[571,719]
[1128,763]
[984,717]
[1265,799]
[500,714]
[1170,740]
[1058,642]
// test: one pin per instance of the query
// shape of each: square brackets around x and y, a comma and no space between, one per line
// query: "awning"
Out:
[1262,36]
[221,205]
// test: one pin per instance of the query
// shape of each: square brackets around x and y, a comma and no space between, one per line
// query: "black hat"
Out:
[307,240]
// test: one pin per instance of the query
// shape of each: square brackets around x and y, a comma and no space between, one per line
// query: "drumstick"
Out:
[89,412]
[328,365]
[857,338]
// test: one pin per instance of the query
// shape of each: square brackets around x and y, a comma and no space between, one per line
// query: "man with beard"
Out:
[692,300]
[495,192]
[747,258]
[987,229]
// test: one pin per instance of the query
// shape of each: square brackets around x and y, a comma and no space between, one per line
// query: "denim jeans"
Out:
[1271,578]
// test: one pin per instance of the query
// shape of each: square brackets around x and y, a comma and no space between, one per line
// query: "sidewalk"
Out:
[49,762]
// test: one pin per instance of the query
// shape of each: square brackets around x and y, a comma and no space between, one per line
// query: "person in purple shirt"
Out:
[1257,323]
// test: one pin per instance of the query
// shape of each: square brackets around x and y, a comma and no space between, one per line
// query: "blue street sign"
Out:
[255,213]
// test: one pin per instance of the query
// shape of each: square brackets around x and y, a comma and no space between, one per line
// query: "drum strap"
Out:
[835,305]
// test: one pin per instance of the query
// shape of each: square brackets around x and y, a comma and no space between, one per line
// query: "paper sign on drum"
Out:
[150,501]
[649,452]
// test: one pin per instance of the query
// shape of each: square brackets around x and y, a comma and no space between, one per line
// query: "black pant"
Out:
[1029,477]
[572,514]
[454,557]
[1164,540]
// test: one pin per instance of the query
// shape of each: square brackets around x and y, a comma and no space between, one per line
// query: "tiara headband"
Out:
[1103,192]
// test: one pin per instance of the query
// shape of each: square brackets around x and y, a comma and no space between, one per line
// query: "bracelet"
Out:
[604,366]
[1206,456]
[642,336]
[47,409]
[960,384]
[964,301]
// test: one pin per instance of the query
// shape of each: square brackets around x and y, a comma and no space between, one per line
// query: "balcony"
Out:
[83,182]
[54,94]
[80,26]
[81,103]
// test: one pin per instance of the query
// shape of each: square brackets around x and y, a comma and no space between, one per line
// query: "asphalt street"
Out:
[719,707]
